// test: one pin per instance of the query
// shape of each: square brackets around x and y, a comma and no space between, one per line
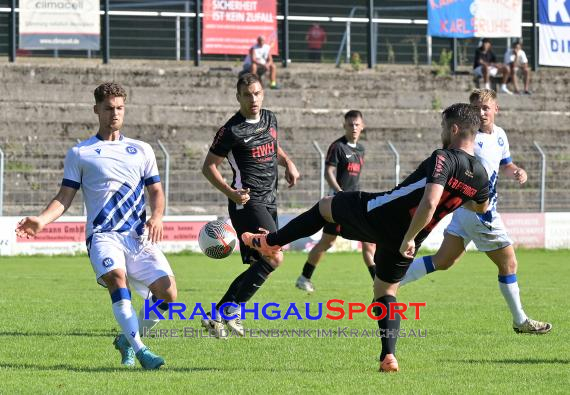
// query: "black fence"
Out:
[155,37]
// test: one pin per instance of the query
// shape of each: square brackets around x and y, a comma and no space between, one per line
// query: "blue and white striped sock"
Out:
[127,317]
[147,325]
[510,290]
[418,268]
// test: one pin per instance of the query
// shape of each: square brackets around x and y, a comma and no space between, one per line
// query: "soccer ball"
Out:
[217,239]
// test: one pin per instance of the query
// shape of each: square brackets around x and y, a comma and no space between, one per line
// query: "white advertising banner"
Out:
[554,42]
[497,18]
[60,24]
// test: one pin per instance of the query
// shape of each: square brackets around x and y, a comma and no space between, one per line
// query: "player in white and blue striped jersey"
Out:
[113,171]
[487,230]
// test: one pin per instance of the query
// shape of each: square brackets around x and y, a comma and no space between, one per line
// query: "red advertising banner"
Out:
[58,232]
[231,27]
[182,231]
[526,229]
[75,232]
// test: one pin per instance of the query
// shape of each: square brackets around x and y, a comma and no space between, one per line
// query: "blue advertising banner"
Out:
[554,18]
[474,18]
[448,18]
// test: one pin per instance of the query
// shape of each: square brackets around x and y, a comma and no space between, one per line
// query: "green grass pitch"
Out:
[57,328]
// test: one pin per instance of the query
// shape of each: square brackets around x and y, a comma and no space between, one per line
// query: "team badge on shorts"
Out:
[131,150]
[108,262]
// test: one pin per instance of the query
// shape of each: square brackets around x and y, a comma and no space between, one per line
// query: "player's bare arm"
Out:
[513,171]
[156,201]
[29,227]
[291,172]
[330,176]
[212,174]
[480,208]
[421,218]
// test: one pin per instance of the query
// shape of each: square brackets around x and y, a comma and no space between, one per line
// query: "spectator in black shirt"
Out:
[485,65]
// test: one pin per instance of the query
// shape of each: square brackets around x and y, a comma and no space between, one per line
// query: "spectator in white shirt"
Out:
[259,60]
[516,59]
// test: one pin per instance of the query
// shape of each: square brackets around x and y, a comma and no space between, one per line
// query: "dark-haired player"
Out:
[249,142]
[398,221]
[344,162]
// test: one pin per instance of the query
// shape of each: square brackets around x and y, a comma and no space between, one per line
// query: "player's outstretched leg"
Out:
[449,253]
[304,225]
[418,269]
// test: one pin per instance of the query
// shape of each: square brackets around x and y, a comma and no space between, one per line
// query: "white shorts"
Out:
[479,72]
[143,261]
[467,225]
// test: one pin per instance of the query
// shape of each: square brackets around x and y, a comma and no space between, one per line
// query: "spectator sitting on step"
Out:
[259,61]
[516,60]
[486,66]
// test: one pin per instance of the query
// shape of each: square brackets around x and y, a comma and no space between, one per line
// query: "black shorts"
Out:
[331,229]
[249,219]
[349,211]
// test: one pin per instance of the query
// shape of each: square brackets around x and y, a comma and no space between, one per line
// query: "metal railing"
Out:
[30,177]
[398,33]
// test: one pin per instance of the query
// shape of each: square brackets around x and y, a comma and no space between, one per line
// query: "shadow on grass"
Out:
[57,334]
[515,361]
[93,369]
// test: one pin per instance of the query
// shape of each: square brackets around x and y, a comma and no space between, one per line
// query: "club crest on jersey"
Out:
[131,150]
[500,141]
[108,262]
[98,150]
[480,144]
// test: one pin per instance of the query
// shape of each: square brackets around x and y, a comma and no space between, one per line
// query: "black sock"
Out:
[254,278]
[308,270]
[230,295]
[388,328]
[305,225]
[163,306]
[372,271]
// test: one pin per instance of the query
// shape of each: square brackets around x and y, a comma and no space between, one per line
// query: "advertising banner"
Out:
[231,27]
[59,24]
[474,18]
[554,41]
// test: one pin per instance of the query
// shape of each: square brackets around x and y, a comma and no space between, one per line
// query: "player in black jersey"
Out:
[249,142]
[344,162]
[398,221]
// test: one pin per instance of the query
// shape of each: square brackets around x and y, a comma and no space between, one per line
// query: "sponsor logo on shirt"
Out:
[438,165]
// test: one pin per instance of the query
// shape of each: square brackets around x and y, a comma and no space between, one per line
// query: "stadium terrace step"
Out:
[179,75]
[212,118]
[183,106]
[284,98]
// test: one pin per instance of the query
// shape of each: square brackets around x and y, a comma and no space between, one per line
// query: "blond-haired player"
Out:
[486,230]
